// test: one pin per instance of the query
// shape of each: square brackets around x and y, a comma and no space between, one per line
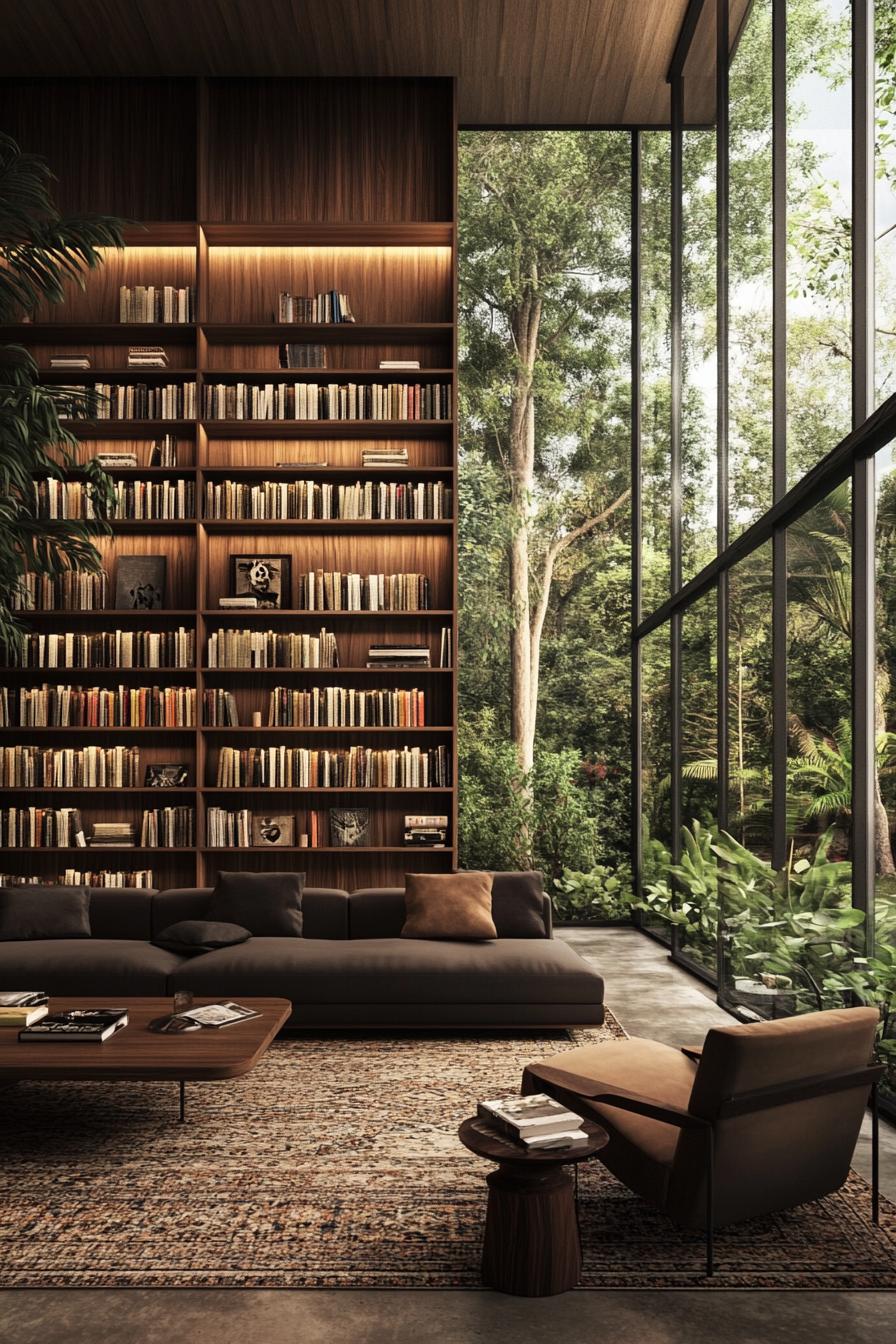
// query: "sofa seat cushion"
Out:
[84,966]
[641,1151]
[396,970]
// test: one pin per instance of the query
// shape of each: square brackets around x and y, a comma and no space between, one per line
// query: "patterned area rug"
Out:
[336,1164]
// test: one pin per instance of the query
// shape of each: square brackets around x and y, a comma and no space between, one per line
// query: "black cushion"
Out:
[269,905]
[518,905]
[192,936]
[28,913]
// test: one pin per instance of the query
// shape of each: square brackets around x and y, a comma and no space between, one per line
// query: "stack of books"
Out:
[242,601]
[73,361]
[431,831]
[303,356]
[398,655]
[147,357]
[384,457]
[163,453]
[78,1024]
[116,461]
[23,1007]
[536,1123]
[113,834]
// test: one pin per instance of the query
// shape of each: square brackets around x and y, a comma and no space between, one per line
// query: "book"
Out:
[78,1024]
[524,1118]
[69,361]
[151,304]
[244,602]
[113,460]
[399,364]
[23,1017]
[219,1014]
[322,463]
[23,998]
[303,356]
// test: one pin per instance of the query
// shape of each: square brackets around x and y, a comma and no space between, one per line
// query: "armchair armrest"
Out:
[625,1100]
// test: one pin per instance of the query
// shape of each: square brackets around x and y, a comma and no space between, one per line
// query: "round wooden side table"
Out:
[531,1246]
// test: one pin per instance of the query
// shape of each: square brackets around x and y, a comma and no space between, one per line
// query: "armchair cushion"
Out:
[641,1150]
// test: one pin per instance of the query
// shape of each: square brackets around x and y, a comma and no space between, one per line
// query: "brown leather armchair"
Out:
[764,1117]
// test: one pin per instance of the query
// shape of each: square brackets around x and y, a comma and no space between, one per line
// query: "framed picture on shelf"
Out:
[140,582]
[274,831]
[264,577]
[349,826]
[166,775]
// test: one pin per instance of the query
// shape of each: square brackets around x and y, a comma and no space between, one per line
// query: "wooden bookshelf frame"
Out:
[393,231]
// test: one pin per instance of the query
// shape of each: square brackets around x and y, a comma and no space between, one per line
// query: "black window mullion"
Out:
[779,429]
[636,505]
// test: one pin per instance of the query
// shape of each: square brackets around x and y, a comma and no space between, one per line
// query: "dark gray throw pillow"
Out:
[192,936]
[269,905]
[518,905]
[30,913]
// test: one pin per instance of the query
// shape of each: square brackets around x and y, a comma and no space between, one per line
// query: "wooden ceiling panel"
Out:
[518,62]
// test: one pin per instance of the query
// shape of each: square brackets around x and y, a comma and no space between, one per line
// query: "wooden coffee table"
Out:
[136,1054]
[531,1246]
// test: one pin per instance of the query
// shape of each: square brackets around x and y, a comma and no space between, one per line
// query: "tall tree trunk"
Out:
[522,481]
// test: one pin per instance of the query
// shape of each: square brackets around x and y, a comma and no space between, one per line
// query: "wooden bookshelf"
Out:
[249,187]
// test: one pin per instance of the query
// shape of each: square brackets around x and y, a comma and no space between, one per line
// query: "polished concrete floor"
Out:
[651,998]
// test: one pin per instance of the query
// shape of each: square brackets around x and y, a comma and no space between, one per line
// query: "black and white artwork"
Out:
[274,830]
[166,775]
[140,582]
[349,826]
[264,577]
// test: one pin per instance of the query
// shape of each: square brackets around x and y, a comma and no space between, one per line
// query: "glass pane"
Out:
[745,877]
[821,930]
[655,778]
[699,373]
[885,198]
[696,894]
[819,243]
[880,976]
[656,470]
[750,272]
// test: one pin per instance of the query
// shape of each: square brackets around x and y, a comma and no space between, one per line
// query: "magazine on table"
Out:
[219,1014]
[78,1024]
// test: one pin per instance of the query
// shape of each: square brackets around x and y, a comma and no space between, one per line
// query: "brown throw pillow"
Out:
[449,905]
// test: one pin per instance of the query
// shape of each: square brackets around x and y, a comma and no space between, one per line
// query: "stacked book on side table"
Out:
[23,1007]
[537,1123]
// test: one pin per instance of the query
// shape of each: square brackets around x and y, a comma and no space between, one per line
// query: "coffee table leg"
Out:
[531,1243]
[183,1102]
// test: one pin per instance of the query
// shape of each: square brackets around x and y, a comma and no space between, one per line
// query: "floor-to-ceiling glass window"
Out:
[656,471]
[879,972]
[656,771]
[885,198]
[697,904]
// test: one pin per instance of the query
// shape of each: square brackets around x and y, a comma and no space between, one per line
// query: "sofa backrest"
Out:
[520,909]
[115,912]
[324,910]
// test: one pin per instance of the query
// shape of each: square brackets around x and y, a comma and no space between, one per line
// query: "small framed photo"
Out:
[349,826]
[140,582]
[166,775]
[274,831]
[264,577]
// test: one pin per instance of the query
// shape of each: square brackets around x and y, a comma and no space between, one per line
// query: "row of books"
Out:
[303,356]
[73,590]
[314,499]
[98,707]
[168,828]
[110,648]
[331,590]
[146,304]
[328,306]
[330,401]
[131,499]
[271,648]
[345,767]
[346,707]
[30,767]
[76,877]
[63,828]
[139,401]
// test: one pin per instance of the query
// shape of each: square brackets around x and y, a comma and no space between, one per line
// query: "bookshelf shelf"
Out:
[327,429]
[361,204]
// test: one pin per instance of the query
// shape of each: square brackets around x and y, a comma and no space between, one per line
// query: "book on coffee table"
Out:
[79,1024]
[21,1007]
[219,1014]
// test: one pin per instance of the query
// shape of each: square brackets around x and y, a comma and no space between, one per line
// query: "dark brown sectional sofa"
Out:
[351,967]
